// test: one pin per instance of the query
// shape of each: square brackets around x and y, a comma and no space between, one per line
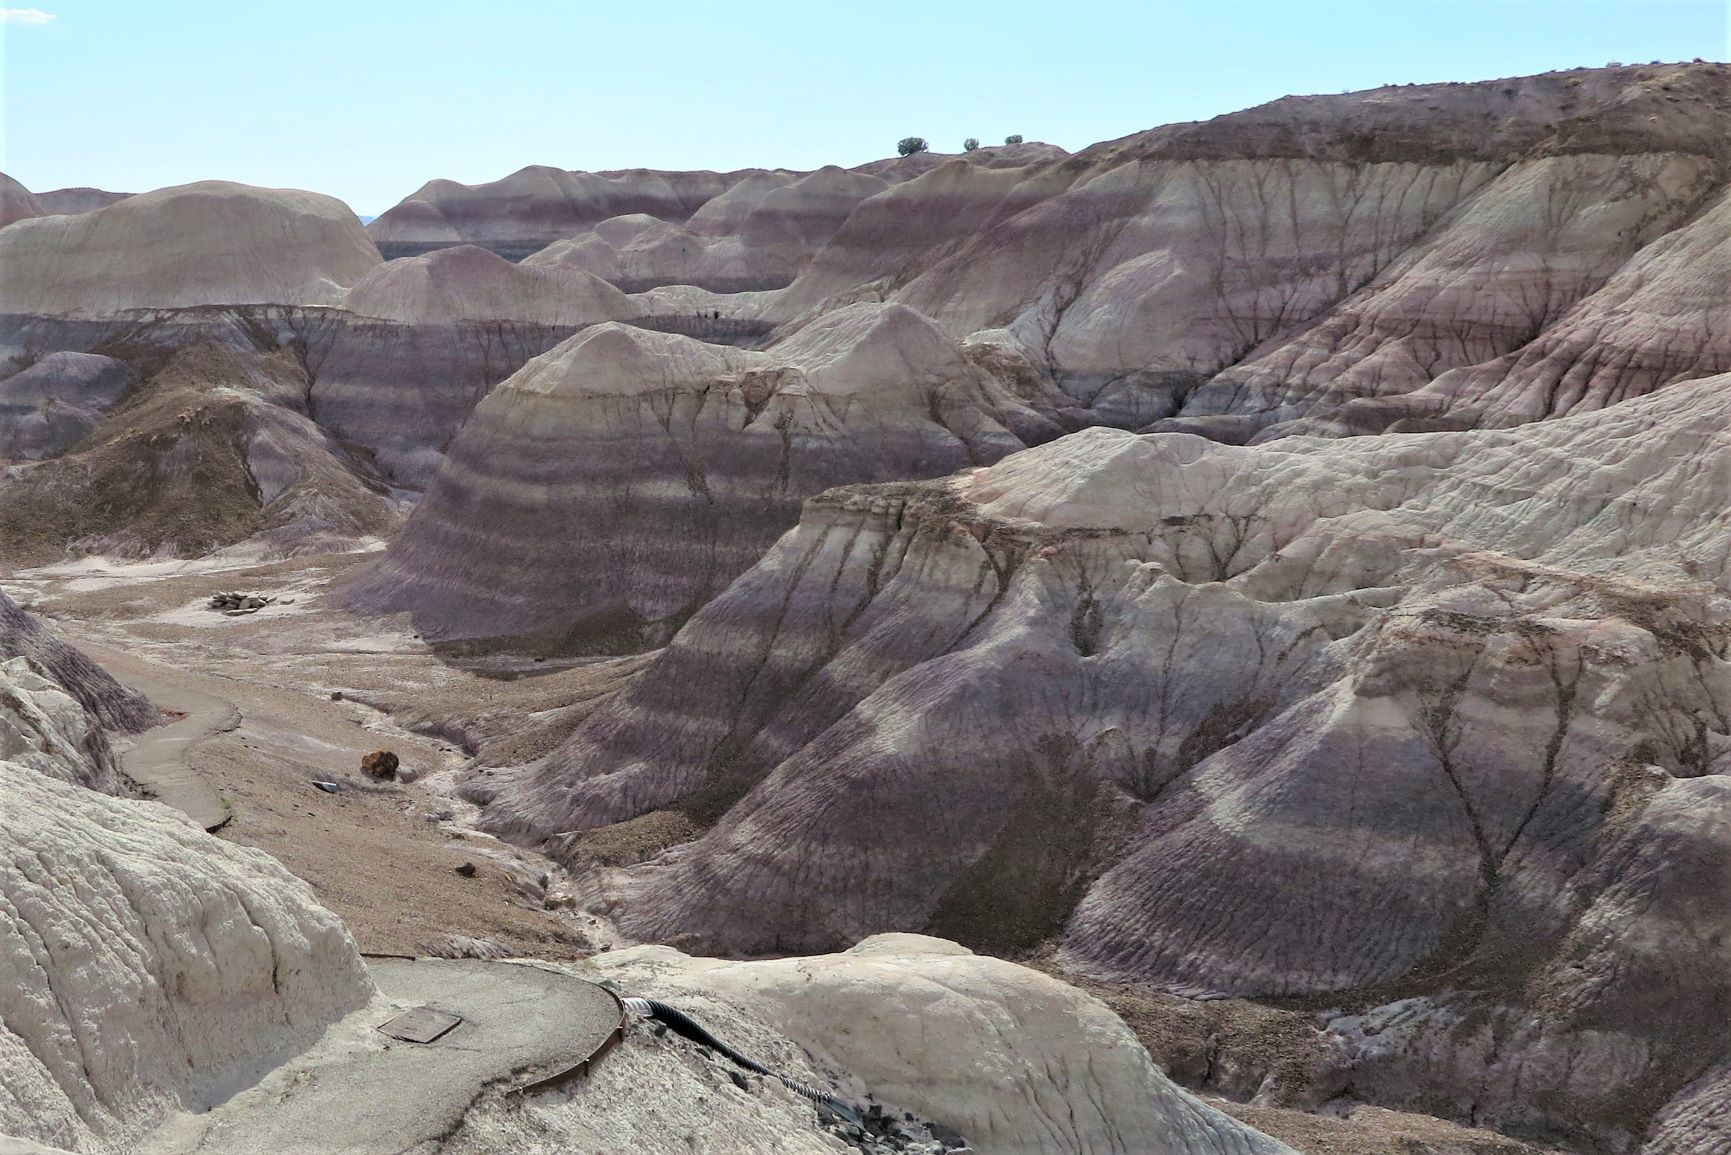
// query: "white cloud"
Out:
[24,16]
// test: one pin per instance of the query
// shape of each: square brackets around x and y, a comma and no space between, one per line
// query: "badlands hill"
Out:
[1445,256]
[204,244]
[1275,567]
[68,201]
[1426,729]
[616,483]
[171,991]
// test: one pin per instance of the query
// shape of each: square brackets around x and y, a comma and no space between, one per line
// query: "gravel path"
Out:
[160,759]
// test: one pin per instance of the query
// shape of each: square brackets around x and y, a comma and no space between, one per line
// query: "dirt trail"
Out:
[280,700]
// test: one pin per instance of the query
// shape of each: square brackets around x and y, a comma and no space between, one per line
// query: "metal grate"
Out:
[421,1025]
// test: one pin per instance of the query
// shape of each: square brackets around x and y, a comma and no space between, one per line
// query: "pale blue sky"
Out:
[367,99]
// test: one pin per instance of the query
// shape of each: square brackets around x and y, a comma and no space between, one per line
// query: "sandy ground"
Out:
[384,856]
[316,688]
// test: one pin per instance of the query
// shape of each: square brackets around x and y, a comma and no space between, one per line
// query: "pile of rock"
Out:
[234,605]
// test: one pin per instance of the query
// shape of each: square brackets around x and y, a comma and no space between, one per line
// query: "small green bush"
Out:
[970,144]
[1013,138]
[908,145]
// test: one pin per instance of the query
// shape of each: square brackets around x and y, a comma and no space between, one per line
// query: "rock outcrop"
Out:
[1428,724]
[613,485]
[199,244]
[1011,1059]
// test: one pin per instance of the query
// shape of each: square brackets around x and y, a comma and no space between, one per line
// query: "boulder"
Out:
[379,764]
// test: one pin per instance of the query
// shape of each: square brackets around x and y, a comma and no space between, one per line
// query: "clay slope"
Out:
[54,403]
[1428,726]
[614,484]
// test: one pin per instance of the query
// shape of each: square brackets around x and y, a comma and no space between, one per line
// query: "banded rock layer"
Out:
[613,485]
[1239,273]
[537,206]
[1462,695]
[93,688]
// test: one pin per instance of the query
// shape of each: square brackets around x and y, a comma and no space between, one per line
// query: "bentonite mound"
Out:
[199,244]
[110,703]
[537,205]
[755,236]
[1462,695]
[467,283]
[616,483]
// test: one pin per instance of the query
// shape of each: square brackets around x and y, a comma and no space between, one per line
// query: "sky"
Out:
[368,99]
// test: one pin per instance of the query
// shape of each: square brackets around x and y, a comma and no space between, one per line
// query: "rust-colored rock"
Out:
[379,764]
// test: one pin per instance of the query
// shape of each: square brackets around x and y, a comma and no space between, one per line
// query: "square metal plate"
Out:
[421,1025]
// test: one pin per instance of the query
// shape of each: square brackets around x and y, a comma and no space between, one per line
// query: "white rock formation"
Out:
[199,244]
[1016,1061]
[147,965]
